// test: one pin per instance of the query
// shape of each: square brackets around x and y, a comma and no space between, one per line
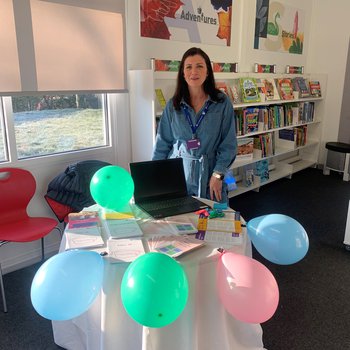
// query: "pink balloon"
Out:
[247,288]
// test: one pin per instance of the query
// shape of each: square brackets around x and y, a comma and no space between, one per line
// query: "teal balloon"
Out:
[154,290]
[112,187]
[67,284]
[278,238]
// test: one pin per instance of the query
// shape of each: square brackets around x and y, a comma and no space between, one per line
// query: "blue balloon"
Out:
[67,284]
[278,238]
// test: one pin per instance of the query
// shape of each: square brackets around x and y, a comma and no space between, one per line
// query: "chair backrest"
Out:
[17,188]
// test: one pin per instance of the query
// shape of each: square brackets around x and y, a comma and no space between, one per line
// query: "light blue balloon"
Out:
[67,284]
[278,238]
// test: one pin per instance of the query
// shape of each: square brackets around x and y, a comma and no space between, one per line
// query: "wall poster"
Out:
[195,21]
[278,27]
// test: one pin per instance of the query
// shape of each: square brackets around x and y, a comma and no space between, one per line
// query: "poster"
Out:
[195,21]
[279,27]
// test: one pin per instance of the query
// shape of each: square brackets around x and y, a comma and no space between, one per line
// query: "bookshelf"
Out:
[284,162]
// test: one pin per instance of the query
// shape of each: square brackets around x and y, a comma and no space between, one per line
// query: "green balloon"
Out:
[112,187]
[154,290]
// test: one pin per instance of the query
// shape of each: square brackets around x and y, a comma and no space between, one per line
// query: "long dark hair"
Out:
[182,91]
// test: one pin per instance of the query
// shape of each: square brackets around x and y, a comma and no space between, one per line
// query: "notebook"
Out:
[160,188]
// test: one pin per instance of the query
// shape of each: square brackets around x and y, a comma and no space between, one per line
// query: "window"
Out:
[51,124]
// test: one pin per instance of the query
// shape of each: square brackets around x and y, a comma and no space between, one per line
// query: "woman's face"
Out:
[195,70]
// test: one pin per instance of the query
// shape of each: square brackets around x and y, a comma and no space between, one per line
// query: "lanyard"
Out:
[187,114]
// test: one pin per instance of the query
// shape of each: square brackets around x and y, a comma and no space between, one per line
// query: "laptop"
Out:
[160,188]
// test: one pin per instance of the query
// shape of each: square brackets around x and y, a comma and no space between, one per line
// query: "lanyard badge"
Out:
[195,143]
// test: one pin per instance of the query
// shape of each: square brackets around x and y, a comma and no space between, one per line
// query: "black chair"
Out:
[339,147]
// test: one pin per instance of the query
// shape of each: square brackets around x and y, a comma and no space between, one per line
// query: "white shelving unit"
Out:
[144,109]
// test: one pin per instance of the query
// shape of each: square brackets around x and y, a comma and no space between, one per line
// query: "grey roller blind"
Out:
[67,45]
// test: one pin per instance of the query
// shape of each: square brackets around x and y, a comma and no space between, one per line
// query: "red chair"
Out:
[17,188]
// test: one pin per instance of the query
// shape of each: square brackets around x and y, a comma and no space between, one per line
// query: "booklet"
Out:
[83,230]
[181,225]
[124,250]
[174,245]
[123,228]
[224,231]
[84,238]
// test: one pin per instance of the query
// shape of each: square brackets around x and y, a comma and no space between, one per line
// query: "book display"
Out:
[301,85]
[271,93]
[264,104]
[285,88]
[315,88]
[245,148]
[249,89]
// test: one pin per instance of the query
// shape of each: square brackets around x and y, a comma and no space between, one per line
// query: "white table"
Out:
[203,325]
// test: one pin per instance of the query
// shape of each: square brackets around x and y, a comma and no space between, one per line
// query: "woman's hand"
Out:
[215,187]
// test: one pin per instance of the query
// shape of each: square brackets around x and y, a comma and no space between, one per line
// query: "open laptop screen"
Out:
[158,179]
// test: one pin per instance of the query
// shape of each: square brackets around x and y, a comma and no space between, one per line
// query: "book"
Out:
[160,98]
[244,148]
[306,111]
[315,88]
[271,92]
[262,170]
[286,139]
[286,134]
[223,87]
[124,249]
[83,230]
[250,120]
[248,175]
[236,91]
[123,228]
[300,84]
[84,239]
[261,89]
[249,90]
[83,219]
[174,245]
[181,225]
[285,88]
[263,145]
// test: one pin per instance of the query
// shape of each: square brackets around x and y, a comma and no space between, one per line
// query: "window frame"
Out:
[108,151]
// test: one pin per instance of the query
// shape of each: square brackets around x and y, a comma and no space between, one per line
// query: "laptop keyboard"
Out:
[169,203]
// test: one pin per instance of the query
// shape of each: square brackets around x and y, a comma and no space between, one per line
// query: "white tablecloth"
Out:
[203,325]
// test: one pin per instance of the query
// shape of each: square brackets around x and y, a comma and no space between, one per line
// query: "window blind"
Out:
[62,46]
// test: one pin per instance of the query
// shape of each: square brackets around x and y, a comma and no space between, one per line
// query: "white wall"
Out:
[329,42]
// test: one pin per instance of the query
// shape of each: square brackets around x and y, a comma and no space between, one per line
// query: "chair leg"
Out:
[42,249]
[2,291]
[346,175]
[326,171]
[59,230]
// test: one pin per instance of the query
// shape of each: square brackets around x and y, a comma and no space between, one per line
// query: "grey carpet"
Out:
[314,307]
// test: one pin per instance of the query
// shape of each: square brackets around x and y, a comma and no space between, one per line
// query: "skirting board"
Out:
[29,258]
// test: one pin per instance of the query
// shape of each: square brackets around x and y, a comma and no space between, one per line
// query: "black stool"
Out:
[339,147]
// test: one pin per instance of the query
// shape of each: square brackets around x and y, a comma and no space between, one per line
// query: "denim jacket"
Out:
[218,143]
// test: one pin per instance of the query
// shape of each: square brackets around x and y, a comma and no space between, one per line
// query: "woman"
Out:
[198,125]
